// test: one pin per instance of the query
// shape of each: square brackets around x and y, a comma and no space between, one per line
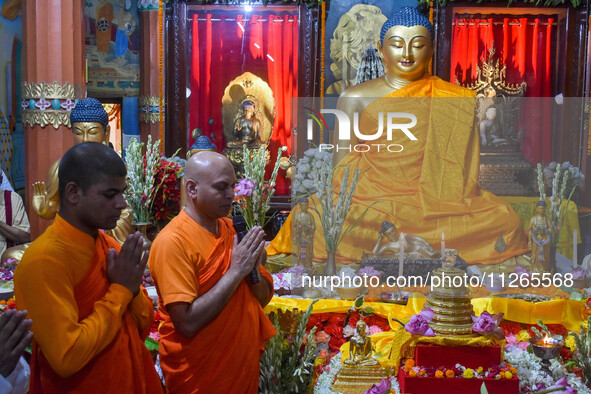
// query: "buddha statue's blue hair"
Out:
[203,143]
[407,16]
[90,110]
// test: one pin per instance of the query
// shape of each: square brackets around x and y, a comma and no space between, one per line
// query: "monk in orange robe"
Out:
[214,326]
[82,290]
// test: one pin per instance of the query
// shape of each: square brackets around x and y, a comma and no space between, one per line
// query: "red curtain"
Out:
[525,46]
[223,48]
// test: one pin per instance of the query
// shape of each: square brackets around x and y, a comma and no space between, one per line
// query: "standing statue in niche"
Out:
[539,239]
[304,228]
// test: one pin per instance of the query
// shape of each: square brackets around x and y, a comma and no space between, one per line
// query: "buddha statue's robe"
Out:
[428,188]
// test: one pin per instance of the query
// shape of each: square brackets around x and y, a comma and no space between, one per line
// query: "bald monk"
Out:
[82,289]
[214,326]
[431,186]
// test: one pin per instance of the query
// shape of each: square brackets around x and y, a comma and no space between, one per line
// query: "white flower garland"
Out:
[530,373]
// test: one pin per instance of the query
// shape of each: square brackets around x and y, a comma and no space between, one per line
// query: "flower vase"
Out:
[331,266]
[142,227]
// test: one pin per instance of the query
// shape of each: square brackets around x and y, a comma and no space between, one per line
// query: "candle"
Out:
[575,259]
[442,245]
[402,242]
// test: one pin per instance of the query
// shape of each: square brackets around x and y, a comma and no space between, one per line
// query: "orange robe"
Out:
[88,334]
[223,357]
[429,188]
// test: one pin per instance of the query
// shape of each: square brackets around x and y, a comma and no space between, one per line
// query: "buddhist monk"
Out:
[430,186]
[82,289]
[214,326]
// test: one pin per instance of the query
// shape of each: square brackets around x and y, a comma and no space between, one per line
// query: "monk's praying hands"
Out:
[127,267]
[246,252]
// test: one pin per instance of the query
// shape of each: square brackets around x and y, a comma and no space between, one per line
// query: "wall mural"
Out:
[351,26]
[112,48]
[11,130]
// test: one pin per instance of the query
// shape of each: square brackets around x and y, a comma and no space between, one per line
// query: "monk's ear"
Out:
[72,193]
[191,187]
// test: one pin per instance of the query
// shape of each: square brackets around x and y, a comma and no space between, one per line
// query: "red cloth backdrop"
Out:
[526,45]
[224,46]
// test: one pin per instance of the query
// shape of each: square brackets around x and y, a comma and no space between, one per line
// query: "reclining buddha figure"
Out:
[90,123]
[430,187]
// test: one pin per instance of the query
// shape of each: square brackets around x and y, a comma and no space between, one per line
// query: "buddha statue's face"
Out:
[406,52]
[541,209]
[90,132]
[248,111]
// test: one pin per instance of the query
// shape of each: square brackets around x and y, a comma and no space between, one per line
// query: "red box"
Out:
[422,385]
[448,356]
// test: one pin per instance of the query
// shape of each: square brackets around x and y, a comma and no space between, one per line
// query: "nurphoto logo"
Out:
[395,121]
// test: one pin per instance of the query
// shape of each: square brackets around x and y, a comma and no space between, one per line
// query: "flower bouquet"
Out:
[564,179]
[167,197]
[253,193]
[141,175]
[314,175]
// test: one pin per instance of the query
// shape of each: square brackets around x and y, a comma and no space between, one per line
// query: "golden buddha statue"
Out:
[90,123]
[430,186]
[360,349]
[414,247]
[539,239]
[247,127]
[304,227]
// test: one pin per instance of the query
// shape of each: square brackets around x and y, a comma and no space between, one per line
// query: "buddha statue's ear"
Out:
[107,133]
[379,45]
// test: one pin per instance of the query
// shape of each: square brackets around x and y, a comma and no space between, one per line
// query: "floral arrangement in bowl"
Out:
[253,193]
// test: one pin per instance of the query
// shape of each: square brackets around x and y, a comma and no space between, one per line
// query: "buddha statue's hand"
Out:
[43,205]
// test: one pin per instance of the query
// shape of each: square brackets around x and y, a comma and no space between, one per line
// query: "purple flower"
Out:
[419,324]
[369,271]
[578,274]
[381,388]
[486,323]
[244,188]
[519,270]
[567,388]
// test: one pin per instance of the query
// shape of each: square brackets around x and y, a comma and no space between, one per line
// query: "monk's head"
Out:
[91,185]
[90,122]
[210,181]
[406,44]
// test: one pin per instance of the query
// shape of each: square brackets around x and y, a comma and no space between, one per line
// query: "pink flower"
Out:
[244,188]
[511,340]
[322,337]
[374,330]
[567,388]
[68,105]
[381,388]
[486,323]
[578,274]
[42,104]
[419,324]
[144,198]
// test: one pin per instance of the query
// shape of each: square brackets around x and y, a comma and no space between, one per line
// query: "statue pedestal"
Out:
[506,174]
[353,379]
[414,267]
[235,153]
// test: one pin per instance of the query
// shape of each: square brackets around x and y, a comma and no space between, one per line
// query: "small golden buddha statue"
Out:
[304,228]
[247,127]
[388,243]
[90,123]
[539,239]
[360,349]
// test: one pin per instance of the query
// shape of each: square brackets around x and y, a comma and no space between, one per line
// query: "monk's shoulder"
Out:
[45,255]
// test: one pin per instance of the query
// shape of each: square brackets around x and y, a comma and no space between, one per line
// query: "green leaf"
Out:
[368,309]
[359,302]
[151,344]
[483,389]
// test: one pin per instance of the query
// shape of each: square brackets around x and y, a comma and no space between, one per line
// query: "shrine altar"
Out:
[569,313]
